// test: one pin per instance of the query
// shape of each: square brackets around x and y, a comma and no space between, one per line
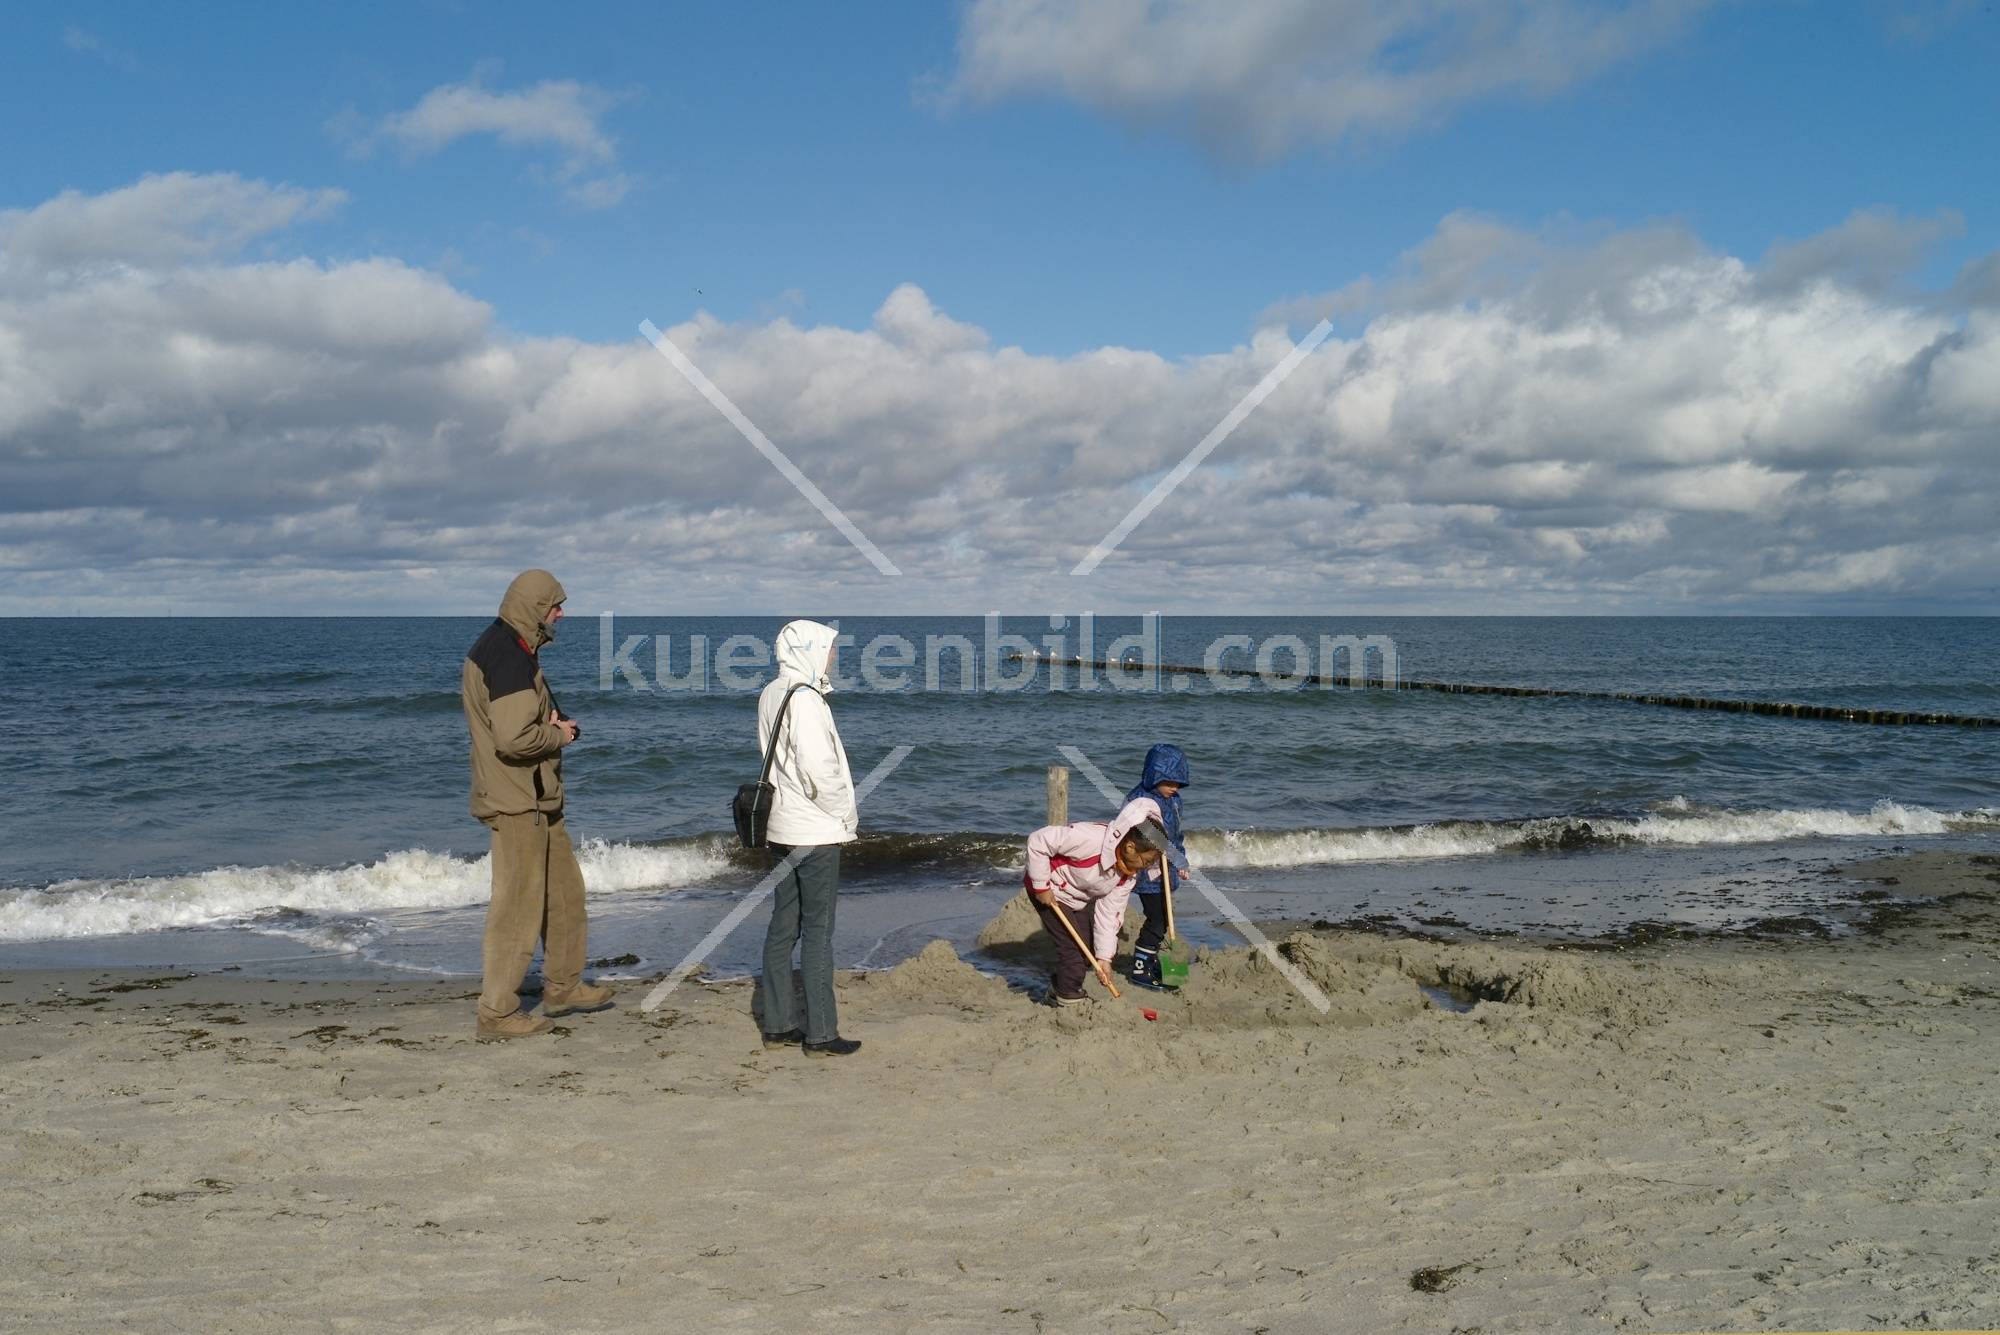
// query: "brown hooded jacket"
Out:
[516,751]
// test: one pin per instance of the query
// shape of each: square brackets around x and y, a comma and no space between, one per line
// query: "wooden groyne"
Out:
[1773,709]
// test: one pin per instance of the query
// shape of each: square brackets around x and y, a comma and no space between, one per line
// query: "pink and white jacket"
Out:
[1080,863]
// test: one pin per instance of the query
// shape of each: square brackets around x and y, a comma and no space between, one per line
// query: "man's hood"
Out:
[1165,763]
[801,653]
[530,599]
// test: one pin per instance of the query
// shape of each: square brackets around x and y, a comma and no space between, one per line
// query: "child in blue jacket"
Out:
[1165,774]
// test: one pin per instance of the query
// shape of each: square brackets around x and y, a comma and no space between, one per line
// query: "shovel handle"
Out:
[1103,974]
[1167,889]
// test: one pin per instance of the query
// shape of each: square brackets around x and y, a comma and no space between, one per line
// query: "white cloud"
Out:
[87,43]
[1872,250]
[1256,80]
[558,114]
[1882,569]
[1558,419]
[157,220]
[599,192]
[1979,283]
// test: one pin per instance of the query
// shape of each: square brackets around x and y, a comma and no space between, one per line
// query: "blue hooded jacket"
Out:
[1165,763]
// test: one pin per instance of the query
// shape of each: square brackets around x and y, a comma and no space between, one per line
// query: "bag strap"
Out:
[777,731]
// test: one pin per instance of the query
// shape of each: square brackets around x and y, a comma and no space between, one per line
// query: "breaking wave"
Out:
[328,908]
[1676,823]
[275,897]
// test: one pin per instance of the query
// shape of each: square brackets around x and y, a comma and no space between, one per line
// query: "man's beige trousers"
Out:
[537,895]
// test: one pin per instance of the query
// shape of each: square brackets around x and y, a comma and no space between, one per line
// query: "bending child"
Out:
[1086,872]
[1165,774]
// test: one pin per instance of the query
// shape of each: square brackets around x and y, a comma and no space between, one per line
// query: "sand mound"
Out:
[1366,980]
[935,973]
[1015,934]
[1623,992]
[1015,925]
[1574,988]
[1243,988]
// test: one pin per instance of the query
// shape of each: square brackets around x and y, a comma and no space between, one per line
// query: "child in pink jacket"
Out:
[1086,872]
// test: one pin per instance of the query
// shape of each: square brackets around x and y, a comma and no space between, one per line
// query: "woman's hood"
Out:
[527,604]
[801,653]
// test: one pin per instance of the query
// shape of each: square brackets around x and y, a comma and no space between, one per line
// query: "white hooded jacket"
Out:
[815,792]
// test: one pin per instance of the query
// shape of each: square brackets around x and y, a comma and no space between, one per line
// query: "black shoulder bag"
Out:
[752,804]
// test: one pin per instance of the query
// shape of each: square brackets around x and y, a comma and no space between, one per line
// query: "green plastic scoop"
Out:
[1173,950]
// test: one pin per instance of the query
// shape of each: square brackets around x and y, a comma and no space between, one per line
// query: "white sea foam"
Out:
[327,908]
[413,879]
[343,934]
[1305,848]
[1676,824]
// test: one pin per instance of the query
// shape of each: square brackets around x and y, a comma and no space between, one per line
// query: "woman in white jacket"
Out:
[812,815]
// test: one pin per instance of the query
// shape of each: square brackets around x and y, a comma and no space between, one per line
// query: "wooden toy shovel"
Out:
[1173,950]
[1103,974]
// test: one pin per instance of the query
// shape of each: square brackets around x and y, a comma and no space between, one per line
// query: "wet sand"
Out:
[1689,1135]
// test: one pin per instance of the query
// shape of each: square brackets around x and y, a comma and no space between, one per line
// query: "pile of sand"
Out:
[1614,990]
[1013,928]
[1366,980]
[1015,934]
[1243,989]
[936,973]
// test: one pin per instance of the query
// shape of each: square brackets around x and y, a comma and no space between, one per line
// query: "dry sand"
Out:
[1700,1136]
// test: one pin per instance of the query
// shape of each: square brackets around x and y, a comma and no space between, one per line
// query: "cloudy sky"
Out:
[1654,306]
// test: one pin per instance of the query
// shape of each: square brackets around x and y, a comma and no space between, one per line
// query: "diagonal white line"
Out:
[760,892]
[1234,418]
[1222,904]
[762,444]
[700,953]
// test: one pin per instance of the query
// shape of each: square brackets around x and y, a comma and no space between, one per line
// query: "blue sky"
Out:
[1058,183]
[789,159]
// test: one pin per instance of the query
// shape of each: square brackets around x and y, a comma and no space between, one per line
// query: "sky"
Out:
[1661,306]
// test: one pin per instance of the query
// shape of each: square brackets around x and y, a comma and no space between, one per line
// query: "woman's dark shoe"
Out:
[786,1039]
[833,1047]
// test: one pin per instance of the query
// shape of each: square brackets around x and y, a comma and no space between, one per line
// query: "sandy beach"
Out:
[1729,1134]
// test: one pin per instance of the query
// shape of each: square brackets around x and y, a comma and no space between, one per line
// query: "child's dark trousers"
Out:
[1071,966]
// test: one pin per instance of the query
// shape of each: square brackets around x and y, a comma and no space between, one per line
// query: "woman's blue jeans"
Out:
[802,918]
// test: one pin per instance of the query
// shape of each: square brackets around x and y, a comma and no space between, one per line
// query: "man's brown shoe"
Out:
[518,1025]
[581,999]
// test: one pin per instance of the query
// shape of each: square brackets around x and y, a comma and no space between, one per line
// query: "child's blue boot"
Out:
[1145,968]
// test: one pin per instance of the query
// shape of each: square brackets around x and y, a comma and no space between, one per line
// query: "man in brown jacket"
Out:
[518,735]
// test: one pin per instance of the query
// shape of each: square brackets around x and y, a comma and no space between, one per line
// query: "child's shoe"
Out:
[1058,1000]
[1145,968]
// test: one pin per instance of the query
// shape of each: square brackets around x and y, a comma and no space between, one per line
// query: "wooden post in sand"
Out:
[1058,795]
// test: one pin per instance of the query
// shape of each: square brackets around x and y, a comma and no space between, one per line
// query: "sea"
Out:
[288,795]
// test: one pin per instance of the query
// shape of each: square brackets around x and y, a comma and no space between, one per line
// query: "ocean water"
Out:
[291,792]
